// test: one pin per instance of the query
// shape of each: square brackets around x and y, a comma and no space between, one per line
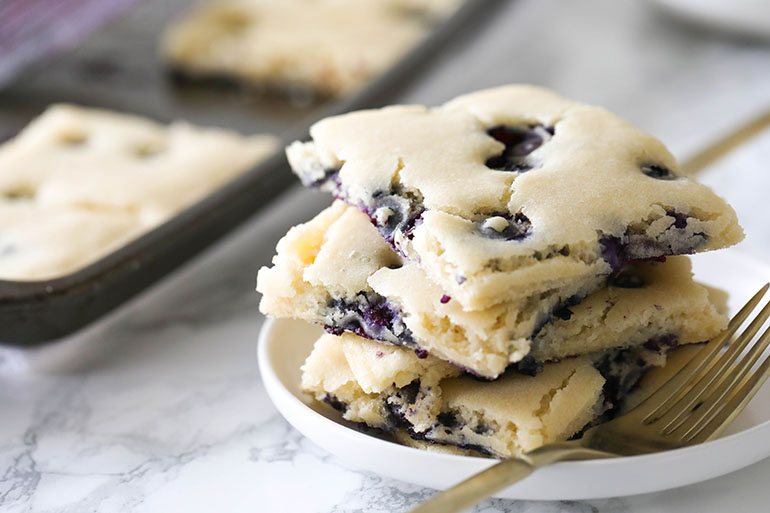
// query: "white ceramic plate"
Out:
[284,345]
[750,17]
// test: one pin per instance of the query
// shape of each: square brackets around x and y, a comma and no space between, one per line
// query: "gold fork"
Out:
[692,407]
[725,144]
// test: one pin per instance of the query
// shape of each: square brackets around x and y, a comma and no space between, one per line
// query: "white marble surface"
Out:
[159,407]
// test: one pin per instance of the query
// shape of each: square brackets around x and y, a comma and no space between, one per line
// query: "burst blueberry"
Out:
[505,227]
[658,172]
[519,142]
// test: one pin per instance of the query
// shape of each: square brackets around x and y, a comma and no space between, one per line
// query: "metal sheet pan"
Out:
[118,68]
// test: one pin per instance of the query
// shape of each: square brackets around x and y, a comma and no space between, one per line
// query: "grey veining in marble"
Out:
[159,407]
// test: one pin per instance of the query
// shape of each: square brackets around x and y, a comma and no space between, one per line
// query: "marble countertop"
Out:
[159,406]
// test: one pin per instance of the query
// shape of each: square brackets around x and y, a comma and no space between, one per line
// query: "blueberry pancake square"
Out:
[73,156]
[390,389]
[336,270]
[511,191]
[79,182]
[302,48]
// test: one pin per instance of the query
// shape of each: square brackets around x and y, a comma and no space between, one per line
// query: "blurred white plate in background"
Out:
[750,17]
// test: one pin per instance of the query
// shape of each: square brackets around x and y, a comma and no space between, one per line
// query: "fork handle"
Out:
[501,475]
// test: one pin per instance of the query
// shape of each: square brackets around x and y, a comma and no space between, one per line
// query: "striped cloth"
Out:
[31,29]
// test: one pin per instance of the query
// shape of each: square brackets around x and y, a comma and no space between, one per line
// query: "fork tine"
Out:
[675,387]
[700,417]
[738,401]
[714,377]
